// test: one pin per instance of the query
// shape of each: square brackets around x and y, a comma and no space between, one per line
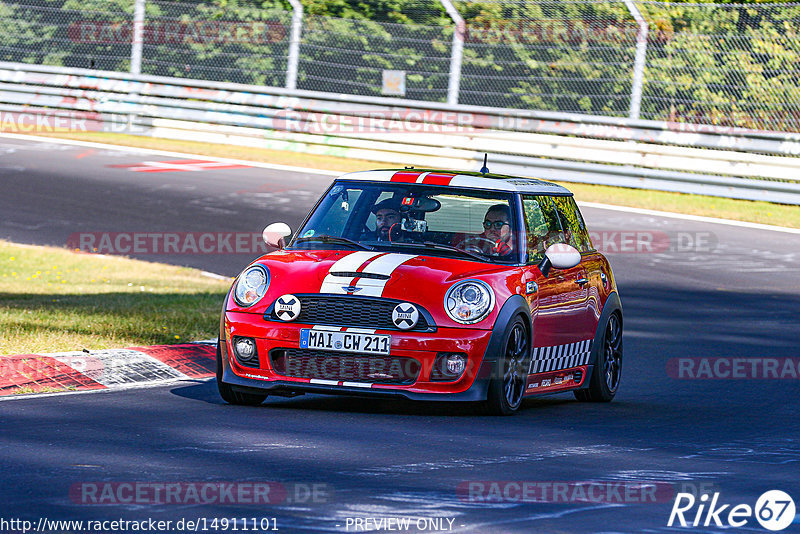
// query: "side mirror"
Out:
[559,256]
[274,235]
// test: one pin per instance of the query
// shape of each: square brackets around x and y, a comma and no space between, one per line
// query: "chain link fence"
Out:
[719,64]
[573,57]
[727,64]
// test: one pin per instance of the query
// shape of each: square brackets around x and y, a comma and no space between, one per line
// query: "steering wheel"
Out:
[478,244]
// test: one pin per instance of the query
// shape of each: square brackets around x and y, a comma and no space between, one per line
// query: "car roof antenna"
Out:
[484,170]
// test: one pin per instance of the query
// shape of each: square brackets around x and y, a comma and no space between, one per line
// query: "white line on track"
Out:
[322,172]
[123,148]
[216,276]
[687,217]
[135,385]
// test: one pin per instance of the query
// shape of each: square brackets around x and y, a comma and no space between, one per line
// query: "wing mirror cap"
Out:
[275,234]
[559,256]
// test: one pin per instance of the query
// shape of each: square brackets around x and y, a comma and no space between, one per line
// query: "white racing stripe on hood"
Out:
[350,263]
[367,287]
[385,265]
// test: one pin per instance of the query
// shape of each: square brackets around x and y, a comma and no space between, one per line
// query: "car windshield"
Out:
[413,218]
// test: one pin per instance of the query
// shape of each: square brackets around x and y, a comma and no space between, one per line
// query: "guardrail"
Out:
[724,162]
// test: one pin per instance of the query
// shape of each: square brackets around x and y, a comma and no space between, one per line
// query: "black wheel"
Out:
[608,366]
[506,390]
[228,394]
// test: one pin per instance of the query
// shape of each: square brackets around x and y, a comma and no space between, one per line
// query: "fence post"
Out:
[294,44]
[457,52]
[639,61]
[138,37]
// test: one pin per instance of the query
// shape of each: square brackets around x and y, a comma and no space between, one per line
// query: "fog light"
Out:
[449,366]
[456,363]
[244,348]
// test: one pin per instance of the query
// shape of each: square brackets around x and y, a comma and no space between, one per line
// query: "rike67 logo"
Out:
[774,510]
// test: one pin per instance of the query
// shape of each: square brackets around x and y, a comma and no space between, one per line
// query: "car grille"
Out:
[348,311]
[304,363]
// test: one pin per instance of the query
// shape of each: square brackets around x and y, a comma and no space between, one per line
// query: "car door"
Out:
[559,302]
[594,279]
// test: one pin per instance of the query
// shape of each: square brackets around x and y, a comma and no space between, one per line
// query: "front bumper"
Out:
[421,347]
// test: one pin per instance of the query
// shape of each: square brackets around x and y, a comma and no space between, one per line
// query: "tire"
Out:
[231,396]
[607,373]
[507,388]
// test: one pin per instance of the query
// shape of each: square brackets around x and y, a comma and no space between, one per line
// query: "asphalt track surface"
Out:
[738,296]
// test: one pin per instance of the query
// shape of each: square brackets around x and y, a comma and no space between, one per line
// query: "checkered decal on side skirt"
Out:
[560,356]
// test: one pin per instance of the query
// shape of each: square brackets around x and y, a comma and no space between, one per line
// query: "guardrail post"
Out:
[294,44]
[457,52]
[639,61]
[138,37]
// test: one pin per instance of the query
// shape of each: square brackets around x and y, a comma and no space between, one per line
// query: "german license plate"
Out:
[345,341]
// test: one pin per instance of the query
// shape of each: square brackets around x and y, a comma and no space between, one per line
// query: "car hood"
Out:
[415,278]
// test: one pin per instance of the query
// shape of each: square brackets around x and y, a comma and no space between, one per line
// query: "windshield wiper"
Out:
[451,248]
[324,238]
[440,246]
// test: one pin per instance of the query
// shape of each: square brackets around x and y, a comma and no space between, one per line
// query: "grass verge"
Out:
[52,300]
[741,210]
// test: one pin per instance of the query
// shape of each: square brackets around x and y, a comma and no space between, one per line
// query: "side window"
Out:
[542,226]
[573,224]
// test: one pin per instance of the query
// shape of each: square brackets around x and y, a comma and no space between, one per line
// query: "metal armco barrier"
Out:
[724,162]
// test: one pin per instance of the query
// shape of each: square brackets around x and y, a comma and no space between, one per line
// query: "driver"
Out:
[387,220]
[497,237]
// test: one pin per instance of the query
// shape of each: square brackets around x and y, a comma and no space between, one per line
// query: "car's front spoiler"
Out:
[476,392]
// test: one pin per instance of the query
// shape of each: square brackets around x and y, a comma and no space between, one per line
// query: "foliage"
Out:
[725,64]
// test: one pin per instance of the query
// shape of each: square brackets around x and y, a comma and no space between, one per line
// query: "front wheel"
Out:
[228,394]
[506,390]
[608,368]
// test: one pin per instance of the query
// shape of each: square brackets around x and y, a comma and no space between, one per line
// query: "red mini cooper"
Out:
[428,285]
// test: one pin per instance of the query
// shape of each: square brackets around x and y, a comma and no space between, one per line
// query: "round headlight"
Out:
[469,301]
[251,286]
